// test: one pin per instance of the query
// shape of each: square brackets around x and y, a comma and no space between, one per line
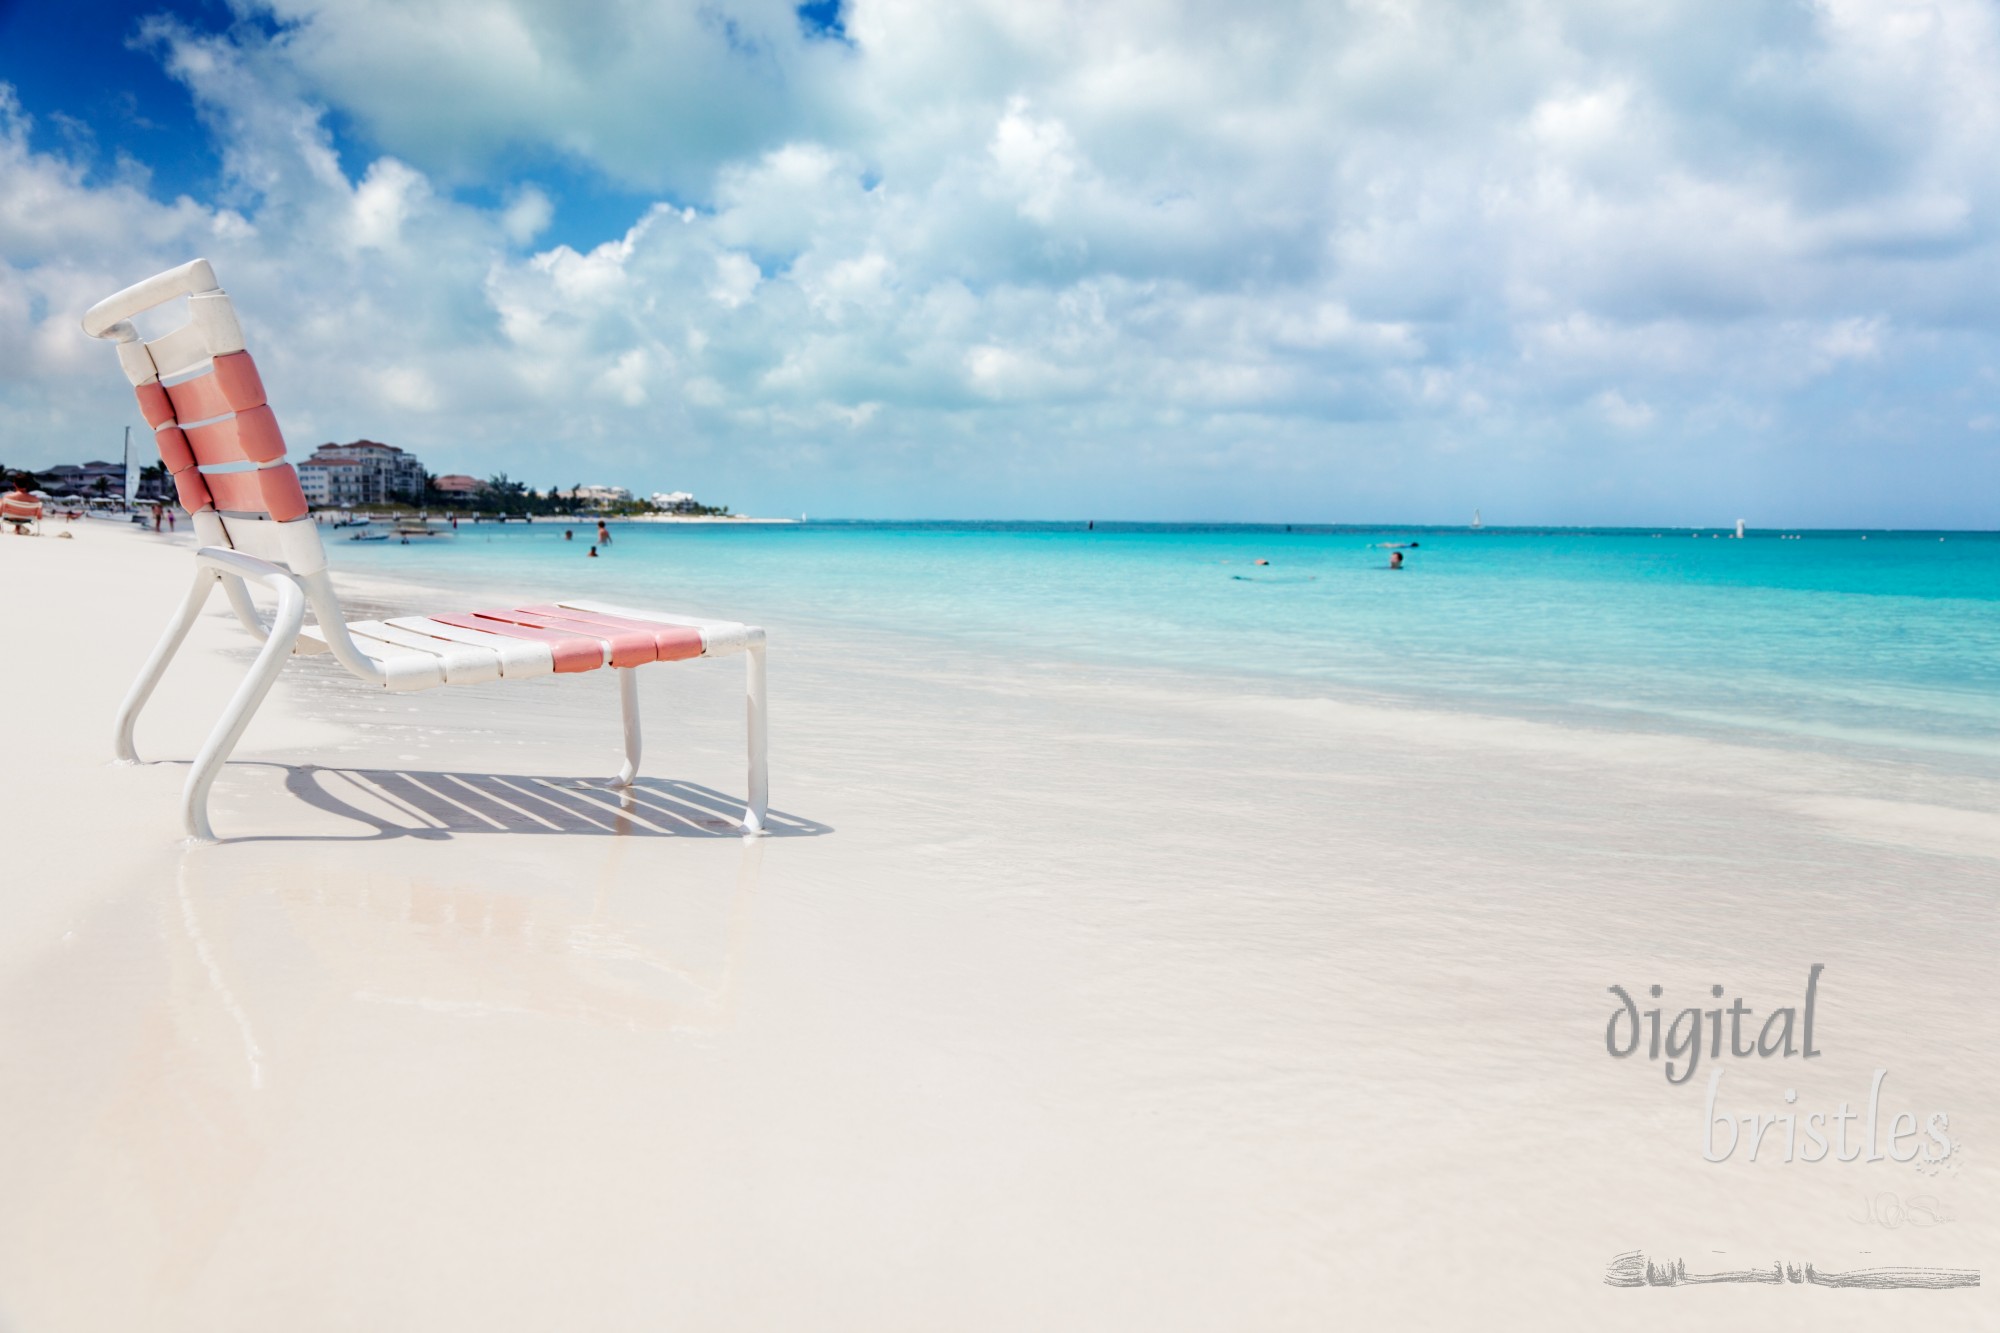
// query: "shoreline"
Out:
[575,519]
[699,518]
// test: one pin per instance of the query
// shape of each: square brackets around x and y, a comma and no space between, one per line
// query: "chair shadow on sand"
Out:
[412,803]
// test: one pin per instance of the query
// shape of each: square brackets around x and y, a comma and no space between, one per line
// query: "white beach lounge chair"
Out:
[200,392]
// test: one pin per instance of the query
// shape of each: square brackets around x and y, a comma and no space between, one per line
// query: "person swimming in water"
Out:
[1395,559]
[593,553]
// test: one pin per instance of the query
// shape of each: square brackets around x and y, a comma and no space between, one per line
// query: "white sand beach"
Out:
[1059,997]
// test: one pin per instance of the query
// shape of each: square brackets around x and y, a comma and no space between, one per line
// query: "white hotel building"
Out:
[339,476]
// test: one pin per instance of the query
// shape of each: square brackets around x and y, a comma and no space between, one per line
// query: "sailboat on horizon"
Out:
[1476,524]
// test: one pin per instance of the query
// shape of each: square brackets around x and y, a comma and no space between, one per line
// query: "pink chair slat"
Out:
[258,436]
[154,405]
[235,492]
[284,500]
[215,443]
[628,649]
[236,374]
[283,495]
[673,643]
[173,446]
[572,652]
[198,399]
[193,492]
[267,490]
[246,437]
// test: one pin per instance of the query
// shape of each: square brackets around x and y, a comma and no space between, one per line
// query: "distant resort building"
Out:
[365,472]
[331,482]
[94,478]
[368,472]
[99,480]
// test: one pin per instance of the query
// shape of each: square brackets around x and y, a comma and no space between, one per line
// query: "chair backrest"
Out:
[200,392]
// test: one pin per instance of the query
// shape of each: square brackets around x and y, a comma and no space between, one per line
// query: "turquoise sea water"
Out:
[1883,641]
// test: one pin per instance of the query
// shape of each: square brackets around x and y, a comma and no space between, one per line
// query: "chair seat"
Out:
[469,648]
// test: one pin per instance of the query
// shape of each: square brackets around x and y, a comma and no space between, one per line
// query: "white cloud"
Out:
[1008,372]
[386,197]
[1852,340]
[1018,239]
[736,278]
[452,85]
[627,378]
[1622,412]
[527,215]
[1034,161]
[409,388]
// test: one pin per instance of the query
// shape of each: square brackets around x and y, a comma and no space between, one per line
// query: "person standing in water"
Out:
[1395,559]
[603,534]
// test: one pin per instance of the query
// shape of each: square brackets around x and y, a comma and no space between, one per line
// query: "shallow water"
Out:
[1879,641]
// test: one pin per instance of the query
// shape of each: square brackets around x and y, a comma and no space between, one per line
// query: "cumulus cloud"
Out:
[1016,256]
[452,85]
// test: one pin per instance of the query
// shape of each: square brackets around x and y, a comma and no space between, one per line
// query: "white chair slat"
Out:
[518,657]
[178,352]
[464,664]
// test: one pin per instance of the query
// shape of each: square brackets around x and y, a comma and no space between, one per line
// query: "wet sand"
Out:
[1059,997]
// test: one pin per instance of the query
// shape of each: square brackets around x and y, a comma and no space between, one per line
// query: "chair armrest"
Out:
[225,561]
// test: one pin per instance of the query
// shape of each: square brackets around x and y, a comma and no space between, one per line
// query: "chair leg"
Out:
[628,705]
[263,674]
[156,665]
[760,796]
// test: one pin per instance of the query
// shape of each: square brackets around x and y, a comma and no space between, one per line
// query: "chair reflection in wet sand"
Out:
[225,1062]
[406,803]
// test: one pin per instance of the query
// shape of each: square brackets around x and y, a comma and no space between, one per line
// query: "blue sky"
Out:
[1564,262]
